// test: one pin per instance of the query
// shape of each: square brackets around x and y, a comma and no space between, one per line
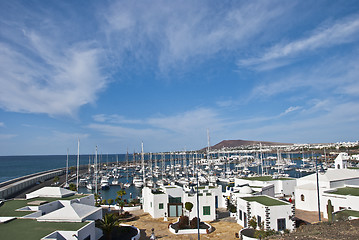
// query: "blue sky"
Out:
[115,73]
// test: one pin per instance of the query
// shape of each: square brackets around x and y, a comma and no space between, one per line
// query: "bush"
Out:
[183,222]
[253,222]
[193,223]
[232,208]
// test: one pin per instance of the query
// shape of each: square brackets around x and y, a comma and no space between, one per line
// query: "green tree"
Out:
[97,200]
[107,224]
[56,179]
[103,202]
[109,202]
[253,222]
[121,193]
[73,187]
[188,206]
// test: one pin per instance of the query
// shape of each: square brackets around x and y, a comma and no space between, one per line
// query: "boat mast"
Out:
[67,167]
[78,163]
[95,168]
[260,147]
[143,162]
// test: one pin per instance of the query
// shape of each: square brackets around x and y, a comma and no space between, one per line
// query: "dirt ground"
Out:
[225,228]
[325,231]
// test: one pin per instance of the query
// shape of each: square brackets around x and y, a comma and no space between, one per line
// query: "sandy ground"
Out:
[225,228]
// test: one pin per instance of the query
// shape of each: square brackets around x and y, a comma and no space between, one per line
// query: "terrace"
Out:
[35,230]
[264,200]
[265,178]
[8,209]
[353,191]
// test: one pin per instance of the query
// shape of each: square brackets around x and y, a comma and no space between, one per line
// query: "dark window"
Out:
[206,210]
[174,199]
[281,224]
[302,197]
[88,237]
[240,214]
[160,206]
[259,221]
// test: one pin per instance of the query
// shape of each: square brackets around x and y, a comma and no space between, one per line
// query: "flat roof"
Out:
[346,191]
[9,207]
[34,230]
[266,178]
[351,213]
[264,200]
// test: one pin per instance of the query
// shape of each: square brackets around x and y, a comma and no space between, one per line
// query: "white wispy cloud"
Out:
[183,32]
[2,124]
[172,131]
[44,69]
[7,136]
[337,75]
[339,32]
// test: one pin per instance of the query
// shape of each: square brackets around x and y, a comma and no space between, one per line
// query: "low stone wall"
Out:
[190,231]
[138,231]
[246,233]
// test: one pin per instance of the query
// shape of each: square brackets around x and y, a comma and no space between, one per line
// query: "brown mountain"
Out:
[241,143]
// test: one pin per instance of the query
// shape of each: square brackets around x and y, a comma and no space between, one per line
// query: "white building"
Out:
[306,189]
[341,198]
[282,186]
[275,214]
[66,207]
[170,200]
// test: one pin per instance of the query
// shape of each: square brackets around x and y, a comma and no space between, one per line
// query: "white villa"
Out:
[170,200]
[275,214]
[306,189]
[343,198]
[72,217]
[282,186]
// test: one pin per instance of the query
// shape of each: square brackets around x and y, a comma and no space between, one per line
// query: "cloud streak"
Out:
[340,32]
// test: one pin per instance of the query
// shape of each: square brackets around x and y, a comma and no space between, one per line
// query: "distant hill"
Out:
[241,143]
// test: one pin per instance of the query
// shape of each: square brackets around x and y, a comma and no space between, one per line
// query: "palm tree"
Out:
[121,193]
[109,201]
[107,223]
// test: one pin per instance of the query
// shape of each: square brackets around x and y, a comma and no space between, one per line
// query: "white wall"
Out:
[338,201]
[204,200]
[257,209]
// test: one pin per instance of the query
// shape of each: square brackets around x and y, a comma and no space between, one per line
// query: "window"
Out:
[281,224]
[160,206]
[174,199]
[240,214]
[151,204]
[259,221]
[206,210]
[302,197]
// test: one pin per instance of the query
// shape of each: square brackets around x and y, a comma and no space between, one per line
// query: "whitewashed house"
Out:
[79,208]
[170,201]
[282,186]
[341,198]
[273,213]
[306,189]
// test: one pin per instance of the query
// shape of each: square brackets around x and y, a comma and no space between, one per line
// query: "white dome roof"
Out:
[246,189]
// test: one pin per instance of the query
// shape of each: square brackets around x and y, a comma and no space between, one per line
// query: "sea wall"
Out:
[14,186]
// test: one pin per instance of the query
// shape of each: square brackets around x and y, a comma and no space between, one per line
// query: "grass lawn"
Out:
[9,207]
[33,230]
[265,178]
[346,191]
[351,213]
[267,201]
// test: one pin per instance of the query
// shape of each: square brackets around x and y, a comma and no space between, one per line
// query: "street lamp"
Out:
[316,172]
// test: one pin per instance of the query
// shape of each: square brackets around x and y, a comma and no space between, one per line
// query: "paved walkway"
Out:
[309,216]
[225,228]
